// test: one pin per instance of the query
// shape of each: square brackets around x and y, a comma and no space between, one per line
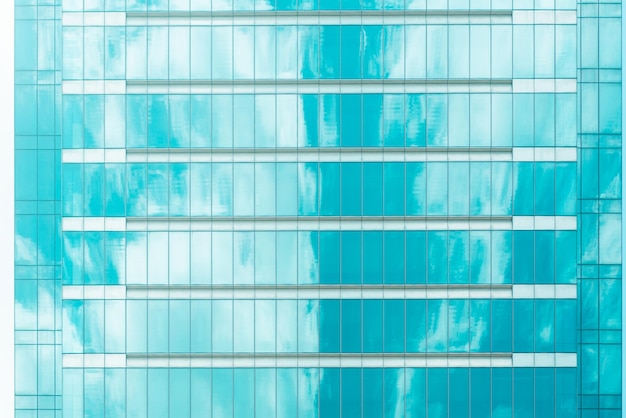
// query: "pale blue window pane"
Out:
[287,111]
[114,392]
[307,330]
[501,120]
[265,392]
[137,121]
[308,257]
[286,251]
[308,52]
[458,325]
[72,184]
[157,326]
[459,198]
[286,393]
[265,257]
[523,53]
[480,257]
[459,51]
[565,329]
[222,326]
[286,326]
[437,398]
[243,326]
[26,55]
[179,122]
[437,191]
[415,51]
[157,393]
[265,189]
[72,383]
[437,254]
[178,189]
[94,187]
[589,361]
[565,257]
[265,52]
[115,121]
[308,185]
[94,326]
[458,131]
[523,120]
[588,173]
[115,52]
[329,120]
[415,403]
[523,254]
[200,262]
[458,252]
[610,174]
[437,120]
[501,43]
[351,56]
[222,256]
[523,329]
[73,120]
[222,189]
[114,329]
[480,52]
[544,119]
[415,117]
[372,38]
[200,393]
[566,50]
[265,326]
[243,54]
[158,121]
[544,51]
[609,53]
[480,326]
[394,317]
[265,121]
[287,54]
[437,320]
[136,326]
[372,326]
[393,49]
[416,188]
[394,392]
[200,56]
[415,326]
[610,304]
[222,53]
[200,189]
[45,111]
[544,325]
[610,120]
[308,393]
[179,326]
[437,64]
[200,326]
[523,179]
[73,339]
[179,386]
[243,390]
[158,257]
[609,239]
[308,120]
[137,57]
[243,184]
[157,55]
[459,390]
[72,50]
[372,393]
[136,257]
[94,257]
[565,188]
[610,364]
[137,392]
[94,393]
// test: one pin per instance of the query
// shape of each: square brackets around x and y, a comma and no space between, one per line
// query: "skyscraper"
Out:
[320,208]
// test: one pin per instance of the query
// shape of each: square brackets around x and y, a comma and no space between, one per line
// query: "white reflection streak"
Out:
[307,186]
[438,329]
[308,383]
[501,258]
[546,333]
[243,49]
[394,52]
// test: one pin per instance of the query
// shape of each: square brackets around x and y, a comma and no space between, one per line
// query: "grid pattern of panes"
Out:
[38,371]
[246,79]
[600,156]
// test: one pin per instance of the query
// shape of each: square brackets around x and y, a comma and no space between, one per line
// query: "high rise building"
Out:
[318,208]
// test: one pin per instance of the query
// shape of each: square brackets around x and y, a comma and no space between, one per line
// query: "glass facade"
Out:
[318,208]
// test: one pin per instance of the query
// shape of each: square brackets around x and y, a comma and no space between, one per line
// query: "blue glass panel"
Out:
[394,392]
[351,327]
[437,395]
[243,391]
[415,257]
[566,392]
[394,317]
[372,257]
[137,392]
[523,329]
[372,393]
[329,257]
[330,393]
[351,399]
[329,326]
[373,123]
[222,392]
[523,387]
[459,392]
[393,254]
[351,249]
[351,189]
[544,392]
[372,326]
[501,325]
[502,392]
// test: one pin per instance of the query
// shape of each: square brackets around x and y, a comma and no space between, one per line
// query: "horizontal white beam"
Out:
[346,86]
[496,291]
[329,17]
[271,155]
[312,223]
[313,360]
